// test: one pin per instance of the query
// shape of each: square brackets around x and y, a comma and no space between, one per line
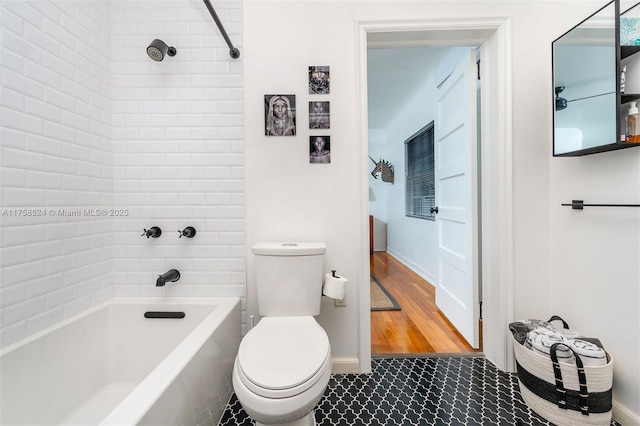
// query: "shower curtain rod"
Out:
[234,52]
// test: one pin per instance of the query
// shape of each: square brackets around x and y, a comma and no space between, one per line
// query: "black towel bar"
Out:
[580,204]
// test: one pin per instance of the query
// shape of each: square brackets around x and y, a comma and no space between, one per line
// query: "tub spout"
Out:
[172,275]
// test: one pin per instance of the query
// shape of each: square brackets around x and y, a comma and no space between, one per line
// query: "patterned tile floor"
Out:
[418,391]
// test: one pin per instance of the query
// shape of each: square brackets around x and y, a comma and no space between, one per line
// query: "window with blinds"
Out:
[420,174]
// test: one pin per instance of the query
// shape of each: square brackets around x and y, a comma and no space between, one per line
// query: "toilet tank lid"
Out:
[289,249]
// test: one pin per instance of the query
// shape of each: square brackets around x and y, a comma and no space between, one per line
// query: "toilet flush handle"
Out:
[252,320]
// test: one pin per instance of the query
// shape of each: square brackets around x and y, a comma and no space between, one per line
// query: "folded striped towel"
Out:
[590,354]
[569,333]
[540,341]
[534,323]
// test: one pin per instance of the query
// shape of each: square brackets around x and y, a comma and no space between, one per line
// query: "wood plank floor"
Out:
[419,327]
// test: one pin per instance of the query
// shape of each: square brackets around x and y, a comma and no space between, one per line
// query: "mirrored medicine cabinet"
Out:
[596,77]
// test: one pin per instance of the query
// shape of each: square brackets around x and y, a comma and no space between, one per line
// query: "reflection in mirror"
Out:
[584,77]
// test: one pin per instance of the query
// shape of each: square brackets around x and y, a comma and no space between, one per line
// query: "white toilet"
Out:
[284,362]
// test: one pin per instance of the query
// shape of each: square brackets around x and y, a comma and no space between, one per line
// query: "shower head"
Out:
[158,49]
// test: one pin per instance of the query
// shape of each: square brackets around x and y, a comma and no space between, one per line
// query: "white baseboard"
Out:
[415,268]
[345,366]
[624,416]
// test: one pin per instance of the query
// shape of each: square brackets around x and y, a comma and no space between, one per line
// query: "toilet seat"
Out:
[283,356]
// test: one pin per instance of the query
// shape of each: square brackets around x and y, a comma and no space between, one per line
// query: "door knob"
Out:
[434,210]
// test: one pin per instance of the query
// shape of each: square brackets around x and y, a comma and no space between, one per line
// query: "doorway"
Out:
[404,88]
[418,327]
[493,34]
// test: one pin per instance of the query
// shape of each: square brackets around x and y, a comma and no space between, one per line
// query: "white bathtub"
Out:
[112,366]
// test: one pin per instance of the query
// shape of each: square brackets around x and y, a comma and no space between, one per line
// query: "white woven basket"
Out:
[535,393]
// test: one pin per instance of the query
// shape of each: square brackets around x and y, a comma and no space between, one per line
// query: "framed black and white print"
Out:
[319,80]
[280,115]
[319,115]
[319,149]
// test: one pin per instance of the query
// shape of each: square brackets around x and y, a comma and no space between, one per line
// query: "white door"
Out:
[456,198]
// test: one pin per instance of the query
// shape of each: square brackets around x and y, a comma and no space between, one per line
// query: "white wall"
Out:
[289,199]
[89,121]
[595,254]
[56,162]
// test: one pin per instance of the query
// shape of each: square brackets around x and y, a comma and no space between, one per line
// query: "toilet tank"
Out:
[289,278]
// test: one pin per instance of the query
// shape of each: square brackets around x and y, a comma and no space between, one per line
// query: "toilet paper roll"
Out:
[334,287]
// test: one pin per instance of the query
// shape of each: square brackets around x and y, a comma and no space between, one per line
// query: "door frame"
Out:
[493,35]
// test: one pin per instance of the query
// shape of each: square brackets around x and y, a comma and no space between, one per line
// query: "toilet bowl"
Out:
[284,363]
[282,370]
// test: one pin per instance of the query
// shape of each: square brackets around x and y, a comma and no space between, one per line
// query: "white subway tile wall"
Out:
[178,148]
[91,124]
[57,163]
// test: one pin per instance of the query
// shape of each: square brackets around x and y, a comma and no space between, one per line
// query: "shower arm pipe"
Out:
[233,52]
